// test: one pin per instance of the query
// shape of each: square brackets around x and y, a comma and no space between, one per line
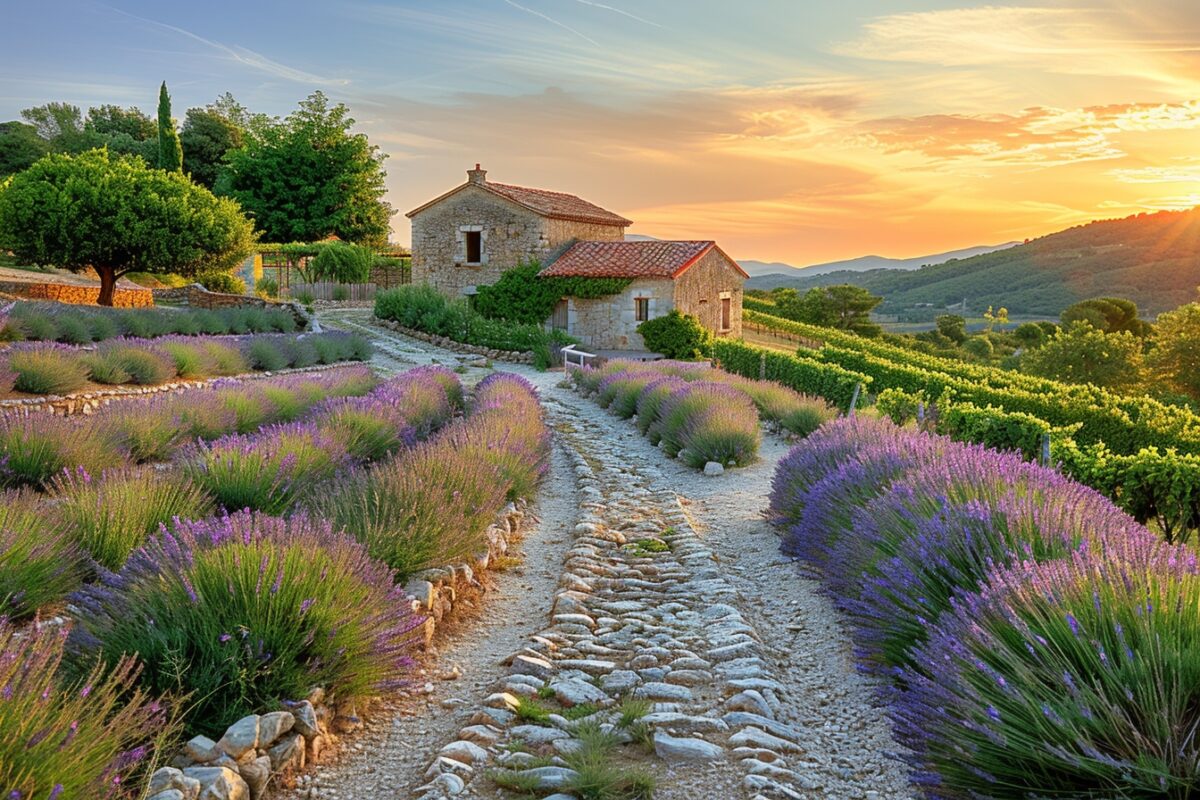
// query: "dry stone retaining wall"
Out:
[77,295]
[511,356]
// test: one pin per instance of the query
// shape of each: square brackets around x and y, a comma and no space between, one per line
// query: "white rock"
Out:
[464,752]
[671,748]
[714,468]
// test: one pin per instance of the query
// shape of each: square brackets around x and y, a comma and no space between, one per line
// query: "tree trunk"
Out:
[108,283]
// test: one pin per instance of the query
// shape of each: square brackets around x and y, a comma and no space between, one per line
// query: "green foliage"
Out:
[343,263]
[841,306]
[207,137]
[980,347]
[116,215]
[805,375]
[426,309]
[20,147]
[1108,314]
[1030,335]
[520,295]
[1175,357]
[953,327]
[899,406]
[170,154]
[266,287]
[1084,354]
[307,176]
[47,371]
[113,514]
[677,336]
[992,427]
[39,562]
[221,282]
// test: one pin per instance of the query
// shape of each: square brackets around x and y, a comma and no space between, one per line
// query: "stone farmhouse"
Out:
[469,236]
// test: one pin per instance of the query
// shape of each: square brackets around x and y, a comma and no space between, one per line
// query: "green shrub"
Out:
[47,371]
[39,563]
[264,609]
[225,360]
[37,447]
[342,263]
[340,294]
[73,330]
[676,335]
[102,327]
[266,355]
[146,367]
[190,360]
[64,738]
[112,515]
[210,322]
[38,327]
[522,295]
[306,298]
[221,282]
[266,287]
[106,368]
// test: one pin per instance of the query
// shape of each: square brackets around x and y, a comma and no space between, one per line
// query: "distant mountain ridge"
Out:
[862,263]
[1150,258]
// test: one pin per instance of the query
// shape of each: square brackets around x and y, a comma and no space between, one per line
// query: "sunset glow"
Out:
[789,131]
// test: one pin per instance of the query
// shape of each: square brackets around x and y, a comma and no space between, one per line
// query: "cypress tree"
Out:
[170,154]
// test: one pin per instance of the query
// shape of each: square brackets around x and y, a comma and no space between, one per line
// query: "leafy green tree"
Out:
[1030,335]
[20,146]
[1108,314]
[1082,353]
[676,335]
[170,153]
[61,126]
[1175,356]
[207,138]
[979,346]
[111,120]
[953,327]
[343,263]
[843,306]
[115,214]
[307,176]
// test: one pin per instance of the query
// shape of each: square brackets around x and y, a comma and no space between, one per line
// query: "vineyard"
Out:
[1142,453]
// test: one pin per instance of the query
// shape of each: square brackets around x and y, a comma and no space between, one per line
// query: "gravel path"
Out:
[749,671]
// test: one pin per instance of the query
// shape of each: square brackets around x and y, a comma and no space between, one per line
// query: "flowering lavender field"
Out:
[211,551]
[697,413]
[1033,638]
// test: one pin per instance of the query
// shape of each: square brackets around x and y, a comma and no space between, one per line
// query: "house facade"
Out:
[473,233]
[469,236]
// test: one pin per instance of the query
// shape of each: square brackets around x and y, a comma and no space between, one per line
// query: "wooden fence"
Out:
[803,341]
[288,272]
[328,290]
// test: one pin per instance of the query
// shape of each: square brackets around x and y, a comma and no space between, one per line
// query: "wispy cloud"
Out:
[622,12]
[553,21]
[244,55]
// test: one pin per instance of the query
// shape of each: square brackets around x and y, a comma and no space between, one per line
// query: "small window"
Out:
[641,308]
[474,247]
[726,312]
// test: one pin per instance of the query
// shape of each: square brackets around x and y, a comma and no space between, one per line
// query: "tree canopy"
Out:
[116,215]
[842,306]
[207,137]
[1109,314]
[307,176]
[170,154]
[1176,354]
[1083,353]
[20,146]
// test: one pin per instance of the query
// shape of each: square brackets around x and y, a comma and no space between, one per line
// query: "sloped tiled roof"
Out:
[555,205]
[652,259]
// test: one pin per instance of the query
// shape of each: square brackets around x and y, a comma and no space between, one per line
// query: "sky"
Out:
[787,130]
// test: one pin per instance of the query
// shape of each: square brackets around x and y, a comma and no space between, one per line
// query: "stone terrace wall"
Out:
[197,296]
[77,295]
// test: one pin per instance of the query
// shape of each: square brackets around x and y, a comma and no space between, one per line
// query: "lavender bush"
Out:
[63,739]
[711,422]
[650,401]
[37,447]
[1072,678]
[47,369]
[39,563]
[111,515]
[244,610]
[268,471]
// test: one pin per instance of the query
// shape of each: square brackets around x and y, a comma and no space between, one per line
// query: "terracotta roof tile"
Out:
[653,259]
[558,205]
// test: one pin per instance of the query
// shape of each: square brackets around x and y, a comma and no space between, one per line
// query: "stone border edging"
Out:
[278,745]
[85,403]
[511,356]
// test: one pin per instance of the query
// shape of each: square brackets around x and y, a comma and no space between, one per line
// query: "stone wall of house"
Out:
[77,295]
[699,291]
[511,234]
[610,323]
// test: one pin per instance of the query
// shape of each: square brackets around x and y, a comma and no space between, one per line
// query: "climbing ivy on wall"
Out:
[521,296]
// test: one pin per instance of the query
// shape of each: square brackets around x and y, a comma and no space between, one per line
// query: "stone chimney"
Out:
[477,175]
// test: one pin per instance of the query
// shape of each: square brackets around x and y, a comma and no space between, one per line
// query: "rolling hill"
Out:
[1153,259]
[775,271]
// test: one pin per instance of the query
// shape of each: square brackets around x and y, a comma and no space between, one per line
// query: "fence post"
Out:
[854,399]
[762,366]
[920,412]
[1045,449]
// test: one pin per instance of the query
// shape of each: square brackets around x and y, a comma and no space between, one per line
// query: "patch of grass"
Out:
[516,781]
[647,547]
[580,711]
[505,563]
[631,710]
[531,710]
[600,776]
[545,692]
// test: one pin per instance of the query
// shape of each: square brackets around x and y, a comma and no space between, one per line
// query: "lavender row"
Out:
[229,615]
[1033,639]
[37,447]
[39,368]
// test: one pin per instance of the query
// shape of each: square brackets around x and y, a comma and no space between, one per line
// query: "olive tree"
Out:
[115,214]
